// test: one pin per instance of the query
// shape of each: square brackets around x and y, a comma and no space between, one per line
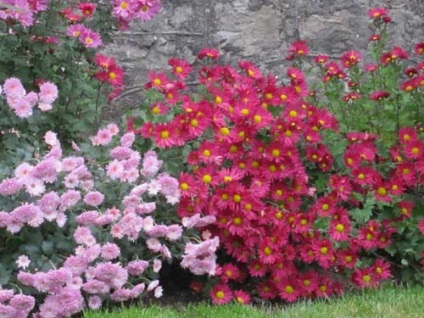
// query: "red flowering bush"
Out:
[303,206]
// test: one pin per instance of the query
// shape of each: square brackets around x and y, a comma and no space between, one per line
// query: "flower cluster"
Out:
[15,305]
[22,11]
[128,10]
[297,205]
[22,102]
[119,235]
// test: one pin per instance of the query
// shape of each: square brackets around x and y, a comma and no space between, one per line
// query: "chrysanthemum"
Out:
[147,9]
[94,198]
[87,8]
[221,294]
[181,68]
[351,58]
[75,30]
[90,39]
[208,52]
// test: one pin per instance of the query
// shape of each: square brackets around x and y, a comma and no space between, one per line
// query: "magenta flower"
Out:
[90,39]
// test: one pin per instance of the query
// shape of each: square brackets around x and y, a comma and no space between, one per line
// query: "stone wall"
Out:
[258,30]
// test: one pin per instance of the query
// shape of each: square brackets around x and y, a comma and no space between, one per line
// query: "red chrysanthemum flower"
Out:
[267,290]
[181,68]
[166,135]
[268,252]
[157,80]
[379,95]
[368,235]
[257,269]
[289,289]
[398,53]
[323,252]
[365,175]
[396,185]
[377,13]
[250,69]
[104,61]
[299,48]
[381,269]
[340,229]
[242,297]
[321,59]
[325,206]
[348,258]
[414,149]
[188,185]
[365,277]
[351,58]
[419,48]
[382,191]
[406,171]
[87,8]
[407,134]
[221,294]
[208,52]
[229,272]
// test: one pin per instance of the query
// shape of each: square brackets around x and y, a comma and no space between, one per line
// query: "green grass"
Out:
[389,302]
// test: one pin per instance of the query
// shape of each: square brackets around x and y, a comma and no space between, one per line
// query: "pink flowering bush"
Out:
[90,227]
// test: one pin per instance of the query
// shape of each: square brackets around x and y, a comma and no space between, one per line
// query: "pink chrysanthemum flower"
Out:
[94,198]
[114,169]
[90,39]
[23,261]
[147,9]
[13,87]
[22,108]
[48,93]
[110,251]
[124,9]
[75,30]
[102,138]
[151,164]
[136,268]
[94,302]
[10,186]
[113,129]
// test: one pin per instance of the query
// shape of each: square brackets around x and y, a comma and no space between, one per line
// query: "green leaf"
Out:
[47,247]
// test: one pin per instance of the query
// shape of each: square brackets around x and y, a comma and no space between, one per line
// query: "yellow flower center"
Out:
[194,123]
[220,294]
[237,221]
[207,178]
[323,250]
[289,289]
[184,186]
[340,227]
[224,131]
[293,113]
[236,198]
[164,134]
[381,191]
[267,250]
